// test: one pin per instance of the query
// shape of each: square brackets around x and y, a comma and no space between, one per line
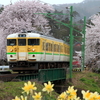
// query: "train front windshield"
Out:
[11,42]
[21,42]
[33,41]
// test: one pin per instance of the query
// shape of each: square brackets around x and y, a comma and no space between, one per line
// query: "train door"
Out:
[44,50]
[22,49]
[52,50]
[59,51]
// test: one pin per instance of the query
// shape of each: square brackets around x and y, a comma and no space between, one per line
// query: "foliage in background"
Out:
[93,40]
[85,8]
[22,15]
[58,30]
[1,9]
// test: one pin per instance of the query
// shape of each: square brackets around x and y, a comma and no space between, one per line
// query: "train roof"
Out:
[15,35]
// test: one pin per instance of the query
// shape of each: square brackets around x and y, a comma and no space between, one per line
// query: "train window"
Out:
[11,42]
[46,46]
[65,49]
[22,35]
[68,51]
[58,48]
[21,42]
[33,41]
[54,47]
[61,49]
[51,47]
[43,46]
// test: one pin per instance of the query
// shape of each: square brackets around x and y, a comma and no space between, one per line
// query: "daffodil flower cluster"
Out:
[90,96]
[70,94]
[48,87]
[30,88]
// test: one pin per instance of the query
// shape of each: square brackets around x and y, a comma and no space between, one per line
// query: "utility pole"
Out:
[83,44]
[71,40]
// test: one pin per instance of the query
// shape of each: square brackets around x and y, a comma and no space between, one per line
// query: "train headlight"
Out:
[33,49]
[11,50]
[11,55]
[33,55]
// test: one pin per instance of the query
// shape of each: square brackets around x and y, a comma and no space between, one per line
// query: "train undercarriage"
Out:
[24,66]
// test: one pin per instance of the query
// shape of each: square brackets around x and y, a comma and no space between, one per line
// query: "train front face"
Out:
[19,49]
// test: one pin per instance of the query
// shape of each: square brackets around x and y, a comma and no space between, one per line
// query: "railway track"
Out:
[8,76]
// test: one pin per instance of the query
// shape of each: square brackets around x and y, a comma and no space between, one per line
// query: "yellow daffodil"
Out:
[48,87]
[86,94]
[16,98]
[94,96]
[29,87]
[98,97]
[23,98]
[37,96]
[71,93]
[62,96]
[77,98]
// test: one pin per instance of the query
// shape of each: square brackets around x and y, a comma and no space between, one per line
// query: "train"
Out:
[31,51]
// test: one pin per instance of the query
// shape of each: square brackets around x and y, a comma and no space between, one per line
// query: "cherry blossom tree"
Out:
[23,15]
[92,50]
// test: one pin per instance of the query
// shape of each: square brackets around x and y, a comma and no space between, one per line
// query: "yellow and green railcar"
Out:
[32,51]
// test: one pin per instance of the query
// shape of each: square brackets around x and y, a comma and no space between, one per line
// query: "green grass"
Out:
[87,81]
[8,90]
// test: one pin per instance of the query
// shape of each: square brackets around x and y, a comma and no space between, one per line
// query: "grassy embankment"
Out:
[86,80]
[8,90]
[81,80]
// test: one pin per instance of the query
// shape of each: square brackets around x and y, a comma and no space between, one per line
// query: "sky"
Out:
[6,2]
